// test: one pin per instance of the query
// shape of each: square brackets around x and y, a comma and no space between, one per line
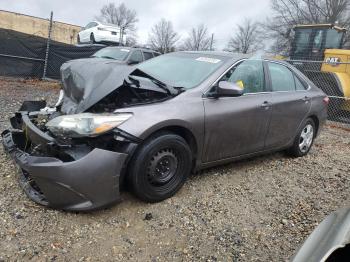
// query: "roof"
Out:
[234,56]
[105,23]
[223,54]
[127,47]
[331,26]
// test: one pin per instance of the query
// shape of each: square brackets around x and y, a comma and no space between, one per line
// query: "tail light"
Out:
[326,100]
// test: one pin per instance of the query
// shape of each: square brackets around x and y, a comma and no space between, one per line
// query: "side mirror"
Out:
[133,62]
[226,88]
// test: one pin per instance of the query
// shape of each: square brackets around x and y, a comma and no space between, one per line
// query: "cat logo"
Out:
[333,61]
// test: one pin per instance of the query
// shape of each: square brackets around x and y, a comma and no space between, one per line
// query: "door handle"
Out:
[306,99]
[266,105]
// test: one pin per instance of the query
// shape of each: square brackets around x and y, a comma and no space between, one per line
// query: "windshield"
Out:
[112,53]
[302,37]
[181,70]
[334,39]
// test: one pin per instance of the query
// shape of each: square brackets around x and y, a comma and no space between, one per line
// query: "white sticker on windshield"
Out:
[125,50]
[208,60]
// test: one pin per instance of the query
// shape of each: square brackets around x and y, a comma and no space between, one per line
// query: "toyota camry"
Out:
[147,127]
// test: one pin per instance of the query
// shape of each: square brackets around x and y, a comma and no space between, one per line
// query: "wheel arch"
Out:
[182,131]
[317,123]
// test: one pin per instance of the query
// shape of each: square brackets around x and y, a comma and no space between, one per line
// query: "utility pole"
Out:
[47,46]
[121,34]
[211,42]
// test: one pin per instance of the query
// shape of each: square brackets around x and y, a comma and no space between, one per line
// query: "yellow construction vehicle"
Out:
[317,50]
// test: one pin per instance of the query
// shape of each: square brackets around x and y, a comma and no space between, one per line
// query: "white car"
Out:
[95,32]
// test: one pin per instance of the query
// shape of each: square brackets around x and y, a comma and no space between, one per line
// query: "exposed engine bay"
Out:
[127,96]
[85,117]
[105,88]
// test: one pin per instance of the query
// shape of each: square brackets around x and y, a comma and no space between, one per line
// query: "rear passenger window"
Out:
[299,85]
[282,79]
[147,55]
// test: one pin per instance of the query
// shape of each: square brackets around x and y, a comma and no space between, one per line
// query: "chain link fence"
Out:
[36,56]
[41,54]
[334,79]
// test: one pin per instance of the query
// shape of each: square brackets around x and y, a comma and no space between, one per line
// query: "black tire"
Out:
[92,39]
[78,40]
[296,149]
[160,167]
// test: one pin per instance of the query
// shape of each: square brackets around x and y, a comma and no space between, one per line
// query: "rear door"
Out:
[290,105]
[236,126]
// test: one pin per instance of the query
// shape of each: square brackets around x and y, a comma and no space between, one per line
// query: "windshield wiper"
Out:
[104,56]
[171,90]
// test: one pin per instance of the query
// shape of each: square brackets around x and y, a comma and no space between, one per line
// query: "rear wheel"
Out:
[304,140]
[160,167]
[92,39]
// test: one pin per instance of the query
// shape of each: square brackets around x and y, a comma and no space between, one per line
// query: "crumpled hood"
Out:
[86,81]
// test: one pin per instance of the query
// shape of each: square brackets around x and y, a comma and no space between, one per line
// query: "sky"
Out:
[220,16]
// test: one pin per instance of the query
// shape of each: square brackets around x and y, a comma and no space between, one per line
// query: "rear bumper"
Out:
[106,36]
[91,182]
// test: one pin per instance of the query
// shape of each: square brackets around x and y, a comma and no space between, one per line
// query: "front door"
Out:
[236,126]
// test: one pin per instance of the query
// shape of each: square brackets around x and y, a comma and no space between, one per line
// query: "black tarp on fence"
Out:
[23,55]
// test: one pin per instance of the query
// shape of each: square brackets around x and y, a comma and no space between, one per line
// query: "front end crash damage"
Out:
[72,174]
[65,160]
[88,88]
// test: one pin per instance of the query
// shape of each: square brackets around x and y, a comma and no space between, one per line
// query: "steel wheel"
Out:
[162,167]
[306,138]
[92,38]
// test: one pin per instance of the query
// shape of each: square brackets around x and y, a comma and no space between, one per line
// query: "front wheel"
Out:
[304,139]
[160,167]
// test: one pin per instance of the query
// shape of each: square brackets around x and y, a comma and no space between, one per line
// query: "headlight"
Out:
[85,124]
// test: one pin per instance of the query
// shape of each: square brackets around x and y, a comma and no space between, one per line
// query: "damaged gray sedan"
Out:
[150,125]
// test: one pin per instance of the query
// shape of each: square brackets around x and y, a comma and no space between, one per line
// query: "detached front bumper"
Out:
[91,182]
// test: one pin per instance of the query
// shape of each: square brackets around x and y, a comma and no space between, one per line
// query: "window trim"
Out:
[206,92]
[301,82]
[294,75]
[136,50]
[148,52]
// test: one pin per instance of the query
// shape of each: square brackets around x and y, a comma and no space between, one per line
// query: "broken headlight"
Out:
[85,124]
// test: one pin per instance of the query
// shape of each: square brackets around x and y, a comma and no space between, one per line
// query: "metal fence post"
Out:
[47,46]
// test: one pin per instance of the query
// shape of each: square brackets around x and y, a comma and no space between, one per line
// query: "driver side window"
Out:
[136,56]
[249,75]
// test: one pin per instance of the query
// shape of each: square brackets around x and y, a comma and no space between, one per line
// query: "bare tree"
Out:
[121,16]
[246,38]
[288,13]
[163,37]
[198,39]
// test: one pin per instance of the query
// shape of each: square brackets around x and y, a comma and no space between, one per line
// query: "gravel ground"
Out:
[255,210]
